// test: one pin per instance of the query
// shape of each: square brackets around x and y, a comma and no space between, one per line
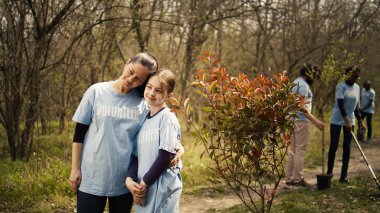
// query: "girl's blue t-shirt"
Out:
[114,120]
[162,131]
[351,96]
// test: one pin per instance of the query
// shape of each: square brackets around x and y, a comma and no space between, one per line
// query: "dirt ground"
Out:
[357,167]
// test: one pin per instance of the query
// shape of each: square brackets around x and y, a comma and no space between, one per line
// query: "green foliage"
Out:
[32,185]
[39,185]
[332,74]
[246,129]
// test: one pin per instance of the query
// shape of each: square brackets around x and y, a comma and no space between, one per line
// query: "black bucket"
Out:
[324,181]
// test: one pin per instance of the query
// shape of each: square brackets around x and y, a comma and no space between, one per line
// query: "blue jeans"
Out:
[334,142]
[94,204]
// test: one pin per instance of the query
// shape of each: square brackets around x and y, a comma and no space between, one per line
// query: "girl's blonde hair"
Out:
[166,77]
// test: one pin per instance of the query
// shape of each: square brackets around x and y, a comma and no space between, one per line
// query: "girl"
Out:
[157,142]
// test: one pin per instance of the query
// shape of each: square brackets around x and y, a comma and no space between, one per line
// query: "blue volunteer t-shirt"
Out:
[303,88]
[162,131]
[113,120]
[365,97]
[350,95]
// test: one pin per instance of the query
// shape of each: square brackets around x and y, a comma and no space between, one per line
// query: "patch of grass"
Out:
[41,184]
[196,173]
[33,186]
[53,146]
[357,196]
[211,190]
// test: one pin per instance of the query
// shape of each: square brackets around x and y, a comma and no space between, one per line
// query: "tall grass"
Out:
[39,185]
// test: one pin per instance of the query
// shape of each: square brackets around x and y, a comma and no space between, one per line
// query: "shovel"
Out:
[323,180]
[365,159]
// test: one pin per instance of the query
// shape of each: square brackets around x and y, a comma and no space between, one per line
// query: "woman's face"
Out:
[134,75]
[354,76]
[155,94]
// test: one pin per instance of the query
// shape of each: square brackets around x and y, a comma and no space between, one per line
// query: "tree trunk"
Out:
[64,97]
[188,60]
[31,116]
[136,19]
[43,119]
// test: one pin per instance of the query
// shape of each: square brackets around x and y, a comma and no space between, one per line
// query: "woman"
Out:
[108,118]
[345,109]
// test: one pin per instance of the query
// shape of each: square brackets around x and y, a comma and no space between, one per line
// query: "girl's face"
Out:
[134,75]
[155,92]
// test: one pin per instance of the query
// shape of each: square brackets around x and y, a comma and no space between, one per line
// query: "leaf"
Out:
[187,110]
[200,72]
[204,59]
[212,86]
[202,83]
[176,111]
[217,61]
[174,102]
[201,93]
[186,102]
[195,83]
[208,109]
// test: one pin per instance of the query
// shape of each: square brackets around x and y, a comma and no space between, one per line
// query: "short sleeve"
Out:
[85,110]
[296,87]
[339,93]
[170,133]
[372,95]
[304,91]
[301,88]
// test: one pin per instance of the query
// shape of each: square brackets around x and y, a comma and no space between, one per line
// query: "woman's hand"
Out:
[347,123]
[362,126]
[320,125]
[138,201]
[179,152]
[75,179]
[138,191]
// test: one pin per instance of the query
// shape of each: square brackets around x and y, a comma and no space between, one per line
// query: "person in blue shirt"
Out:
[107,120]
[300,138]
[157,142]
[367,108]
[345,109]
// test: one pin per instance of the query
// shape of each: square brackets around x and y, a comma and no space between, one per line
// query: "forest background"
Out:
[51,51]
